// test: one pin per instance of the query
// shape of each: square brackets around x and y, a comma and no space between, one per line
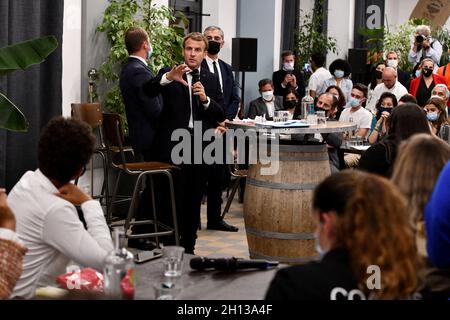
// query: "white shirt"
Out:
[210,61]
[270,107]
[362,118]
[53,233]
[398,90]
[139,58]
[164,82]
[7,234]
[318,78]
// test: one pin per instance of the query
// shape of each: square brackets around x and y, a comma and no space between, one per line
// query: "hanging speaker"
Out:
[244,54]
[357,58]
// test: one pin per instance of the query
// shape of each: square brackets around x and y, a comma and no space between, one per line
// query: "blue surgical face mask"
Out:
[354,102]
[339,74]
[432,116]
[150,53]
[318,247]
[418,73]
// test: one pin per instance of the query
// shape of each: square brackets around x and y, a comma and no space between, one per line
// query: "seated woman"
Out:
[436,115]
[422,86]
[337,92]
[437,223]
[376,79]
[384,107]
[420,161]
[11,249]
[405,121]
[291,101]
[359,216]
[340,71]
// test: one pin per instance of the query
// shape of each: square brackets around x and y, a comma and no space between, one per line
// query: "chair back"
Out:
[91,113]
[114,135]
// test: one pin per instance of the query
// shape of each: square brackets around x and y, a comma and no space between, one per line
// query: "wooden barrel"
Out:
[278,208]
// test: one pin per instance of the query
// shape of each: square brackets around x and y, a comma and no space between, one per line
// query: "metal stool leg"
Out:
[174,208]
[231,197]
[113,199]
[155,219]
[132,208]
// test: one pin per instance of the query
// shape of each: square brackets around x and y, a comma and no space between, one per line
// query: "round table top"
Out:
[330,127]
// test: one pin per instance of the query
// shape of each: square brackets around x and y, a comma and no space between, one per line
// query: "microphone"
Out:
[230,264]
[195,78]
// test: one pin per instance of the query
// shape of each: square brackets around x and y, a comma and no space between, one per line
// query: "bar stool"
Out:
[114,139]
[237,174]
[91,113]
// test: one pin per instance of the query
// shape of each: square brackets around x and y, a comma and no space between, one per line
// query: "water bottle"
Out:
[119,270]
[307,105]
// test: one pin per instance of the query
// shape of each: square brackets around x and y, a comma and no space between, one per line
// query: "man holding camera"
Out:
[424,46]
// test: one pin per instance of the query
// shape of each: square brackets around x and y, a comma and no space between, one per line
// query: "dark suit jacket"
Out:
[278,78]
[231,98]
[142,110]
[258,107]
[176,109]
[404,78]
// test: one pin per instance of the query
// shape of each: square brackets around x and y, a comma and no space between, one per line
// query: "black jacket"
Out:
[278,78]
[142,110]
[176,109]
[315,280]
[231,98]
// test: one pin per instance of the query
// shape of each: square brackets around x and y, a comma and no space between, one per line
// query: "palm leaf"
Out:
[11,117]
[26,54]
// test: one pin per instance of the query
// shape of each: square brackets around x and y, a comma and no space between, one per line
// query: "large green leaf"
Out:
[26,54]
[11,117]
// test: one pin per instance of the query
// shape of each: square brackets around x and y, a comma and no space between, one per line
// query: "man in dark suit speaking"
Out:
[230,90]
[187,102]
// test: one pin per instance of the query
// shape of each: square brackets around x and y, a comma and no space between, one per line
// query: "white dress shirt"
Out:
[164,82]
[53,233]
[398,90]
[210,61]
[318,78]
[139,58]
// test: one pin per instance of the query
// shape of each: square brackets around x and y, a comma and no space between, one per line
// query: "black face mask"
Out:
[291,104]
[378,74]
[213,47]
[427,72]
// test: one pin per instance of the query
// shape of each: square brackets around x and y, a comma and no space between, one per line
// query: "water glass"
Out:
[277,116]
[321,118]
[166,290]
[172,261]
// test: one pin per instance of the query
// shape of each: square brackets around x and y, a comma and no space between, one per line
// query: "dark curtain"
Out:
[291,10]
[36,91]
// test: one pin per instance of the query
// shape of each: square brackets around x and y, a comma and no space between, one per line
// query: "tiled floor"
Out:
[224,244]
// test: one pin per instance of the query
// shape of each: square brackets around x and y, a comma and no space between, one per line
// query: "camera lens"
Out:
[419,39]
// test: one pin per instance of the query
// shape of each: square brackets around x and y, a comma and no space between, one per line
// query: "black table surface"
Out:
[205,285]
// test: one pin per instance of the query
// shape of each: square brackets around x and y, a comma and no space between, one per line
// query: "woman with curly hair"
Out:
[340,71]
[359,217]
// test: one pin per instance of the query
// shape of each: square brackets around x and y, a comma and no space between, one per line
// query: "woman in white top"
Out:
[340,71]
[377,78]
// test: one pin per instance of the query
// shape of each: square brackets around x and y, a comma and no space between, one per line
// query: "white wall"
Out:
[341,17]
[71,51]
[223,15]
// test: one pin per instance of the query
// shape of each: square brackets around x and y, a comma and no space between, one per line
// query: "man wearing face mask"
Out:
[389,84]
[267,104]
[288,77]
[356,113]
[425,81]
[216,172]
[393,61]
[142,112]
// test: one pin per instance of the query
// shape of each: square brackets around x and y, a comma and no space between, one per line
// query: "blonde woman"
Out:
[359,217]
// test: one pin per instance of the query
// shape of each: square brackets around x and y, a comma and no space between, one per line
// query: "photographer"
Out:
[424,46]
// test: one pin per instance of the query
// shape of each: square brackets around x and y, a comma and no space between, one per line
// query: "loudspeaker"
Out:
[357,58]
[244,54]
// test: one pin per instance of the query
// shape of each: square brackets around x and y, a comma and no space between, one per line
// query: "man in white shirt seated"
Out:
[267,104]
[389,84]
[44,204]
[359,116]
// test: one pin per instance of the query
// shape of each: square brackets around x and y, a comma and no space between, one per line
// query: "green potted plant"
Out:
[19,57]
[165,34]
